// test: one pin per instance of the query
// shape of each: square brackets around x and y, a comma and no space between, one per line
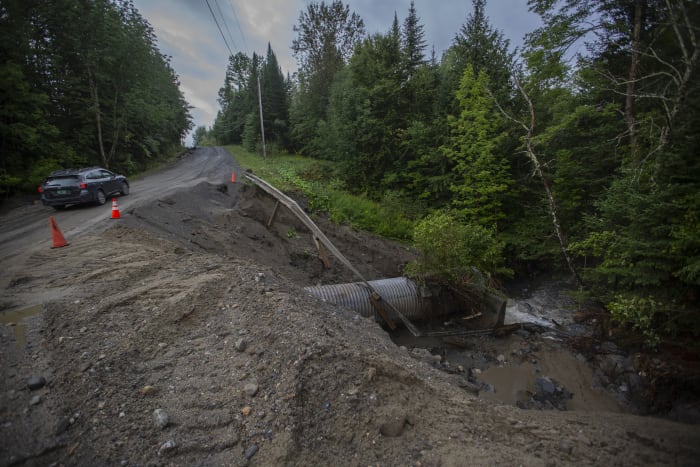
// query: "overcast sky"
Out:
[187,32]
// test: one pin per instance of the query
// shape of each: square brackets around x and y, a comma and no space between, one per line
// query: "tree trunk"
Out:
[98,119]
[631,79]
[115,127]
[553,212]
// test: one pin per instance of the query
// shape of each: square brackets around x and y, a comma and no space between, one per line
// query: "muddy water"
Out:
[16,319]
[510,366]
[515,382]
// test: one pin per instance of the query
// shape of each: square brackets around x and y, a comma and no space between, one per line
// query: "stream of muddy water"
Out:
[529,370]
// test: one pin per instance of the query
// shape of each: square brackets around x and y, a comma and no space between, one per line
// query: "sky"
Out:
[186,32]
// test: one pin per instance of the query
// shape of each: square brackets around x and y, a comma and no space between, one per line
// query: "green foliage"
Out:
[475,139]
[454,251]
[640,313]
[615,138]
[318,181]
[326,38]
[83,83]
[199,135]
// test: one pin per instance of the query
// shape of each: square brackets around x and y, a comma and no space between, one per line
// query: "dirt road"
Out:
[180,335]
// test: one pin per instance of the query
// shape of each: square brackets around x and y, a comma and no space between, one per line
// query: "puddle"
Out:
[514,369]
[511,384]
[15,319]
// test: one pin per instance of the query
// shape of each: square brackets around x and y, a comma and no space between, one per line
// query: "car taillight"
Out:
[83,186]
[41,190]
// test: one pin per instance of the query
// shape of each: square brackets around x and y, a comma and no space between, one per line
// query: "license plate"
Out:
[63,192]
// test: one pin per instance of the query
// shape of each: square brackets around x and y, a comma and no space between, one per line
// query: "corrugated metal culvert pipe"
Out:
[402,293]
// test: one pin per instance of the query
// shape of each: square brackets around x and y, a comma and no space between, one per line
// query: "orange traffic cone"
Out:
[56,235]
[233,177]
[115,210]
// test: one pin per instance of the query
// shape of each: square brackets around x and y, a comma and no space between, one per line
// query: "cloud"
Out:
[187,32]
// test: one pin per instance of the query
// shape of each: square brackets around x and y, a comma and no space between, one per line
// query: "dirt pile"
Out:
[182,336]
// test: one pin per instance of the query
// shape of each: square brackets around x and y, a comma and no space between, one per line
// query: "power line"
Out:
[238,24]
[217,25]
[223,18]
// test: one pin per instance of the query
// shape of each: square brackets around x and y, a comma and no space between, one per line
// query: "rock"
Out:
[251,389]
[609,347]
[35,400]
[501,358]
[35,382]
[612,365]
[161,418]
[167,446]
[148,390]
[371,373]
[545,385]
[566,446]
[251,451]
[62,426]
[241,345]
[393,427]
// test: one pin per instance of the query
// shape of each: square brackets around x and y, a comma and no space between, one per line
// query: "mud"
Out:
[190,305]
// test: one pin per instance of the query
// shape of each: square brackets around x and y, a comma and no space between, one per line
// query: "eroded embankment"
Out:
[192,307]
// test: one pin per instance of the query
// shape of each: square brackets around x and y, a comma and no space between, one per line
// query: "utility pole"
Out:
[262,127]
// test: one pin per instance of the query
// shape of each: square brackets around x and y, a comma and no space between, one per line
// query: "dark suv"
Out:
[88,185]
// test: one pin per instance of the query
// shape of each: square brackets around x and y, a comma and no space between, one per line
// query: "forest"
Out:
[577,153]
[82,82]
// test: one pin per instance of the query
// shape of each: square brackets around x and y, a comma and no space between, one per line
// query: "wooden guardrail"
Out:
[320,239]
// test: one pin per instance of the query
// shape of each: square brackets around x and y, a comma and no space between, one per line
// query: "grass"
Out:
[319,181]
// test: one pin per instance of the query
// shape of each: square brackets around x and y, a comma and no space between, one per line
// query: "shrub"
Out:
[455,252]
[639,312]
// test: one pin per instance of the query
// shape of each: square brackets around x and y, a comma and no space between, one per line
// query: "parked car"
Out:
[79,186]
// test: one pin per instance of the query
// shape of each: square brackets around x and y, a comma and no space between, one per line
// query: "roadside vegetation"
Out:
[582,163]
[83,83]
[320,182]
[575,154]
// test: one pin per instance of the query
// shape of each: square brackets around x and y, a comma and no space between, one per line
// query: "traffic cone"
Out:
[115,210]
[233,177]
[56,235]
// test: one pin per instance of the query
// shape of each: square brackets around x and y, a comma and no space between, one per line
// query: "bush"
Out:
[639,312]
[455,252]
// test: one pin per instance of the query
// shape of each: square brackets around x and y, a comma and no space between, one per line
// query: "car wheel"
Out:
[59,207]
[125,189]
[100,197]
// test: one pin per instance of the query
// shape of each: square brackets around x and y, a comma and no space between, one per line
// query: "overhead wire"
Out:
[219,27]
[235,16]
[223,19]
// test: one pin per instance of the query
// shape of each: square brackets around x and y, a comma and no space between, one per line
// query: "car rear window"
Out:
[62,181]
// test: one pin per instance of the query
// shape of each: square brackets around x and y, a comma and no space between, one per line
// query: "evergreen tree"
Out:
[326,38]
[275,101]
[91,82]
[483,48]
[475,149]
[413,41]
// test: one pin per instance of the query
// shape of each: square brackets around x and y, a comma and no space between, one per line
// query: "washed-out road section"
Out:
[181,335]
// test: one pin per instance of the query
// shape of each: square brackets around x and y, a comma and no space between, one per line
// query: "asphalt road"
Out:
[26,229]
